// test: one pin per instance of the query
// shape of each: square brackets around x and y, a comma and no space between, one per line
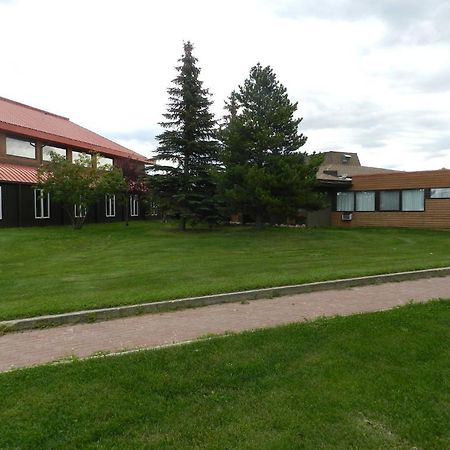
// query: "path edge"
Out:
[101,314]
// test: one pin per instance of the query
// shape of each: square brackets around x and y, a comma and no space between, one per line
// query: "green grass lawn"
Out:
[371,381]
[57,269]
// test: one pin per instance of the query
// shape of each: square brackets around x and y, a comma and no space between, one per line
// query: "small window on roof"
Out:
[19,147]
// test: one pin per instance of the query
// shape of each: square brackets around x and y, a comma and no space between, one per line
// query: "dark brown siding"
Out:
[18,209]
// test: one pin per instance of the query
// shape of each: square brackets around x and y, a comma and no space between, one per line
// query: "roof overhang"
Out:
[79,145]
[335,183]
[12,173]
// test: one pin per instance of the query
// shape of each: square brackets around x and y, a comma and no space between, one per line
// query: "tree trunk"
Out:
[183,224]
[258,221]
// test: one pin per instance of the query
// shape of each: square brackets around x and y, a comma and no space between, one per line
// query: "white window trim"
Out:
[1,202]
[110,205]
[41,199]
[134,205]
[82,211]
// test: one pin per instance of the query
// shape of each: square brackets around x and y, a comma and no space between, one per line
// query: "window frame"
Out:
[109,163]
[79,211]
[345,192]
[53,147]
[110,205]
[437,189]
[134,205]
[41,199]
[413,210]
[77,155]
[355,206]
[152,208]
[31,143]
[399,191]
[378,193]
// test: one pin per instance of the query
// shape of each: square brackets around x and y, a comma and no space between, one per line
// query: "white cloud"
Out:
[364,81]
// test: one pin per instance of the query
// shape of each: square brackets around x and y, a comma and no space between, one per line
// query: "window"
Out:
[345,201]
[103,161]
[47,149]
[41,204]
[134,205]
[440,193]
[110,205]
[17,147]
[79,211]
[78,155]
[152,208]
[365,201]
[1,210]
[413,200]
[390,201]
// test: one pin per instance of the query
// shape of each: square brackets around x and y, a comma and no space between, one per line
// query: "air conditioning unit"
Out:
[346,216]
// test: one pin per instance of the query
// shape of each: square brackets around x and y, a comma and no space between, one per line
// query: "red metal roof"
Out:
[18,174]
[32,122]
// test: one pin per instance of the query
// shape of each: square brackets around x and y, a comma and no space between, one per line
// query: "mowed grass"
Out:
[57,269]
[371,381]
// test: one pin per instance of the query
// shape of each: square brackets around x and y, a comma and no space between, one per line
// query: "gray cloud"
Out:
[140,140]
[371,126]
[409,21]
[369,115]
[437,81]
[147,134]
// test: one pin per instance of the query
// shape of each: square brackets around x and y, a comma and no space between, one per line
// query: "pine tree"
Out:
[266,176]
[185,186]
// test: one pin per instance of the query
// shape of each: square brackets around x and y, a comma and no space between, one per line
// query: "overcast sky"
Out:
[370,76]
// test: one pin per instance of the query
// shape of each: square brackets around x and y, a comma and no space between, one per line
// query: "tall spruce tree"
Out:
[185,186]
[266,177]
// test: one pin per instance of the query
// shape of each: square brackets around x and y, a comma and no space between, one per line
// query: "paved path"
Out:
[152,330]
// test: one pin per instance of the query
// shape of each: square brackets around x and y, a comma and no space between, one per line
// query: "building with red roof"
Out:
[27,137]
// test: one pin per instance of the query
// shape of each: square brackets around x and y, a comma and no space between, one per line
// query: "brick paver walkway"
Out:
[152,330]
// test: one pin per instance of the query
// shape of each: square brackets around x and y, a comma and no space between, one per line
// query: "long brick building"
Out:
[368,196]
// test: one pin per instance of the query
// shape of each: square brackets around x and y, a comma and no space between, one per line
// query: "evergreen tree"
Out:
[185,187]
[265,174]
